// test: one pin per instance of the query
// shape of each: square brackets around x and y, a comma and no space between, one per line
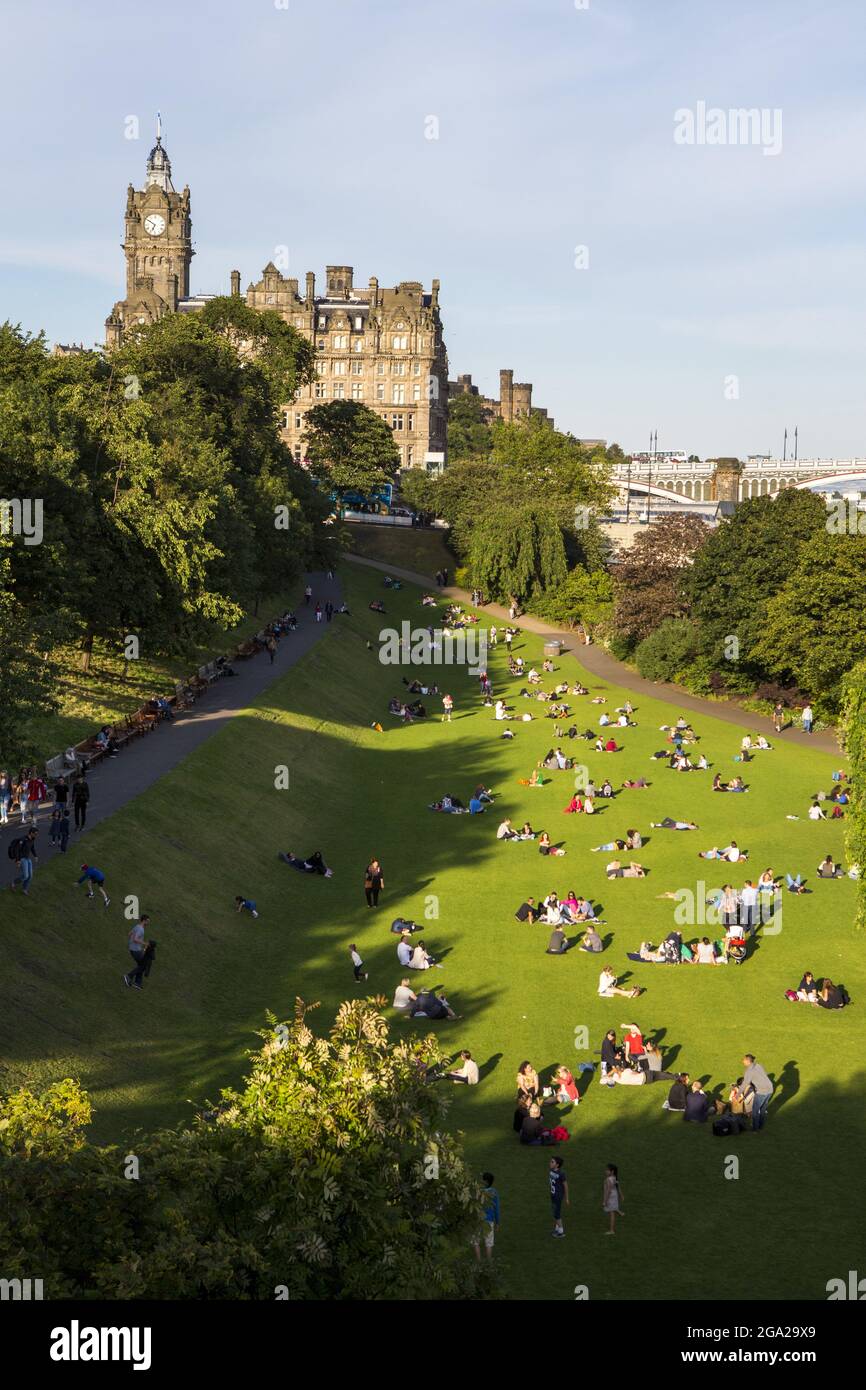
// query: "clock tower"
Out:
[157,244]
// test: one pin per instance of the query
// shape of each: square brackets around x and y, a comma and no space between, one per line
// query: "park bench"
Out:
[143,721]
[56,767]
[88,752]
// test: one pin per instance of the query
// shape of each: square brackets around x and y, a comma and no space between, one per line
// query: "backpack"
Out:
[16,847]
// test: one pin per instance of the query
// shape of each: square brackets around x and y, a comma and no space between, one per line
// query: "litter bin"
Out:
[553,649]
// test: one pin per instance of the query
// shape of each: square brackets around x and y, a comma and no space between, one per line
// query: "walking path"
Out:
[116,781]
[600,663]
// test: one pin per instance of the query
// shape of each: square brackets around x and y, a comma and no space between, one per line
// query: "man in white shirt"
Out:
[467,1073]
[404,951]
[505,831]
[748,905]
[732,852]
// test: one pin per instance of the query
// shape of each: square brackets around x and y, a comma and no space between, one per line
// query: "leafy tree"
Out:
[26,673]
[584,598]
[743,563]
[853,724]
[328,1176]
[668,651]
[648,579]
[815,626]
[517,554]
[350,447]
[420,491]
[469,432]
[285,357]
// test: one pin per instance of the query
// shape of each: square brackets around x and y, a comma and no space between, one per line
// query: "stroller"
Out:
[736,950]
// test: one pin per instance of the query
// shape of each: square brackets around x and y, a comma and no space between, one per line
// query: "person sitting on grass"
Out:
[828,868]
[705,953]
[506,831]
[545,846]
[566,1089]
[404,995]
[246,905]
[832,996]
[591,941]
[574,807]
[421,959]
[676,1098]
[807,990]
[466,1073]
[698,1104]
[815,812]
[608,986]
[558,943]
[528,912]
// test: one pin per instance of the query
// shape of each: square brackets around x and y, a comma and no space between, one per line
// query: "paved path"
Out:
[116,781]
[600,663]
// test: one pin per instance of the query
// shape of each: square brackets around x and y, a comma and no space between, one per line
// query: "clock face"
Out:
[154,224]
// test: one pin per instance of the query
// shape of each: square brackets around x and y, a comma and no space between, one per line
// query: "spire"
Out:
[158,162]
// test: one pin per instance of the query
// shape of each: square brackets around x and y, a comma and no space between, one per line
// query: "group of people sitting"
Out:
[823,994]
[736,784]
[533,1098]
[478,801]
[584,802]
[631,1061]
[407,711]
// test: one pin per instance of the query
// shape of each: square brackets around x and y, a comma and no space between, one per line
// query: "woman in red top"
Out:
[610,746]
[567,1092]
[574,805]
[633,1042]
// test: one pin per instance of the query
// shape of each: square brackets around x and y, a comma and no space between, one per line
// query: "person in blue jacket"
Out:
[94,878]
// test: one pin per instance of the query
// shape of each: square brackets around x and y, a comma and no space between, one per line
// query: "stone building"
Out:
[383,347]
[515,397]
[157,244]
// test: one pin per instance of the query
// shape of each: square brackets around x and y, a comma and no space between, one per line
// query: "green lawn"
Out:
[212,829]
[113,688]
[413,548]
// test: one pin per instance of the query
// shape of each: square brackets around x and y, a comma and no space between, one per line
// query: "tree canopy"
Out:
[350,447]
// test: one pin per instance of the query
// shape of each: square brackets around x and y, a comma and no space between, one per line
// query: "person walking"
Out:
[80,800]
[444,578]
[318,612]
[308,594]
[137,948]
[329,610]
[778,716]
[94,878]
[23,851]
[558,1194]
[271,647]
[65,827]
[611,1197]
[447,707]
[61,791]
[807,718]
[357,963]
[37,792]
[756,1082]
[5,797]
[492,1210]
[374,882]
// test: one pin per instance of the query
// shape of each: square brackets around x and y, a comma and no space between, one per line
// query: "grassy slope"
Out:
[104,694]
[411,548]
[212,829]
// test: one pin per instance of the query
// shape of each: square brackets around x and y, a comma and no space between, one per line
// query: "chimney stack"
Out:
[236,284]
[311,288]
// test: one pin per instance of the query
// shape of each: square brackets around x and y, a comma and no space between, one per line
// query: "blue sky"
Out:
[306,127]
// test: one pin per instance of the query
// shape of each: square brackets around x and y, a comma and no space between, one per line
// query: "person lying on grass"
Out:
[430,1003]
[313,864]
[670,824]
[636,784]
[633,870]
[731,854]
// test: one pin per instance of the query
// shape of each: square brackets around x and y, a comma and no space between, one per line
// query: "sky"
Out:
[557,164]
